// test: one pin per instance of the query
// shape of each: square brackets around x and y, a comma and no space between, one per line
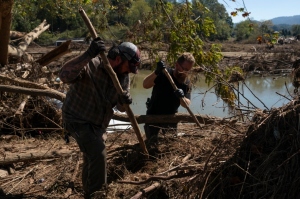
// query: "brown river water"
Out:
[263,88]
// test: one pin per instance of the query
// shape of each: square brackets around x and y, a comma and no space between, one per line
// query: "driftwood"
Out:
[157,178]
[22,106]
[146,190]
[19,51]
[22,82]
[178,117]
[35,92]
[55,53]
[38,155]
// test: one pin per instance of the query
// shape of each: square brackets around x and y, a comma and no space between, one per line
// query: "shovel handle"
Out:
[181,99]
[116,83]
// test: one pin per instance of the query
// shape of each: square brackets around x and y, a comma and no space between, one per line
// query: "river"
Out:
[264,88]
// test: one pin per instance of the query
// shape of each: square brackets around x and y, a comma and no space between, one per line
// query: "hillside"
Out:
[291,20]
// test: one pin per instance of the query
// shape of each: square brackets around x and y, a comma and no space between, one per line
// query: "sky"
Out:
[262,10]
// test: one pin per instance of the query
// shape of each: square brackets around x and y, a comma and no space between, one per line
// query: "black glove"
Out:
[160,66]
[124,98]
[96,47]
[179,93]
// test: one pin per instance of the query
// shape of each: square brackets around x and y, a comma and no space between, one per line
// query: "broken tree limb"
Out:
[35,92]
[30,157]
[56,53]
[116,83]
[22,105]
[146,190]
[16,34]
[19,51]
[156,178]
[22,82]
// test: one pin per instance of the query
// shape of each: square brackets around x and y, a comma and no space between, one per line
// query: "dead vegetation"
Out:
[172,169]
[256,59]
[258,159]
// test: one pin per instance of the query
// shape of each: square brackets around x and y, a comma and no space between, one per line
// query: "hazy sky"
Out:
[263,9]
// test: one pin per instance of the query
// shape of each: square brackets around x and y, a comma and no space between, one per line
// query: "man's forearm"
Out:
[188,102]
[148,82]
[72,68]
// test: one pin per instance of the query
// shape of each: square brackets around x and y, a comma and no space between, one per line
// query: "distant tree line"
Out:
[118,18]
[195,26]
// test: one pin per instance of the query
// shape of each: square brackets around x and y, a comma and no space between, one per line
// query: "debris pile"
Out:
[267,163]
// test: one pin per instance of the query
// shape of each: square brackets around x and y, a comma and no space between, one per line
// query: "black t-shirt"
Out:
[163,100]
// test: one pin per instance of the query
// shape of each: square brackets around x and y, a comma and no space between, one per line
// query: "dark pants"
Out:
[152,130]
[91,143]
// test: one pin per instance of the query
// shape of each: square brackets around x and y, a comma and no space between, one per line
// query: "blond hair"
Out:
[186,56]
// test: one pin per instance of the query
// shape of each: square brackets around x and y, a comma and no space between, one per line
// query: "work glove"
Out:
[160,66]
[96,47]
[179,93]
[124,98]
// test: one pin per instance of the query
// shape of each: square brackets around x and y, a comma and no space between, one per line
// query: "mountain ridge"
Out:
[290,20]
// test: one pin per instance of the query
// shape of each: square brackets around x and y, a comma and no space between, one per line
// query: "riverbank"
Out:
[246,159]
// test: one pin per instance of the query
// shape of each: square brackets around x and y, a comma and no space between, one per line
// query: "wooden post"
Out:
[116,83]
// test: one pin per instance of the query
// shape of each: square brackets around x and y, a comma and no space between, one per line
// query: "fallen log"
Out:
[178,117]
[19,51]
[30,157]
[22,82]
[35,92]
[55,53]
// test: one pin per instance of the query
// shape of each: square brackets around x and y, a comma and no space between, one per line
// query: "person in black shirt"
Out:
[164,100]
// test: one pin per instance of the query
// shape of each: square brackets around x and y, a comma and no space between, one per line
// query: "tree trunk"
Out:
[19,52]
[5,22]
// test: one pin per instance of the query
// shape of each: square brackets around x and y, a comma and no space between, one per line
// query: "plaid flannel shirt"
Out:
[92,96]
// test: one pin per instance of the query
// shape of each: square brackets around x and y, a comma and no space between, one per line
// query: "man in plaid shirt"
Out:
[89,103]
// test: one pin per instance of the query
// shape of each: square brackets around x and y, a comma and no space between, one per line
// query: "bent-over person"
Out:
[89,104]
[164,100]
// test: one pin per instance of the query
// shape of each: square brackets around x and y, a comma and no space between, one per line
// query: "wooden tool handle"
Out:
[181,99]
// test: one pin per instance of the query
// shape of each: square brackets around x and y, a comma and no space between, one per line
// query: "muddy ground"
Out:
[253,157]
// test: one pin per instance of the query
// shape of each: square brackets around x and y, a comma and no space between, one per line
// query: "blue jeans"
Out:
[91,143]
